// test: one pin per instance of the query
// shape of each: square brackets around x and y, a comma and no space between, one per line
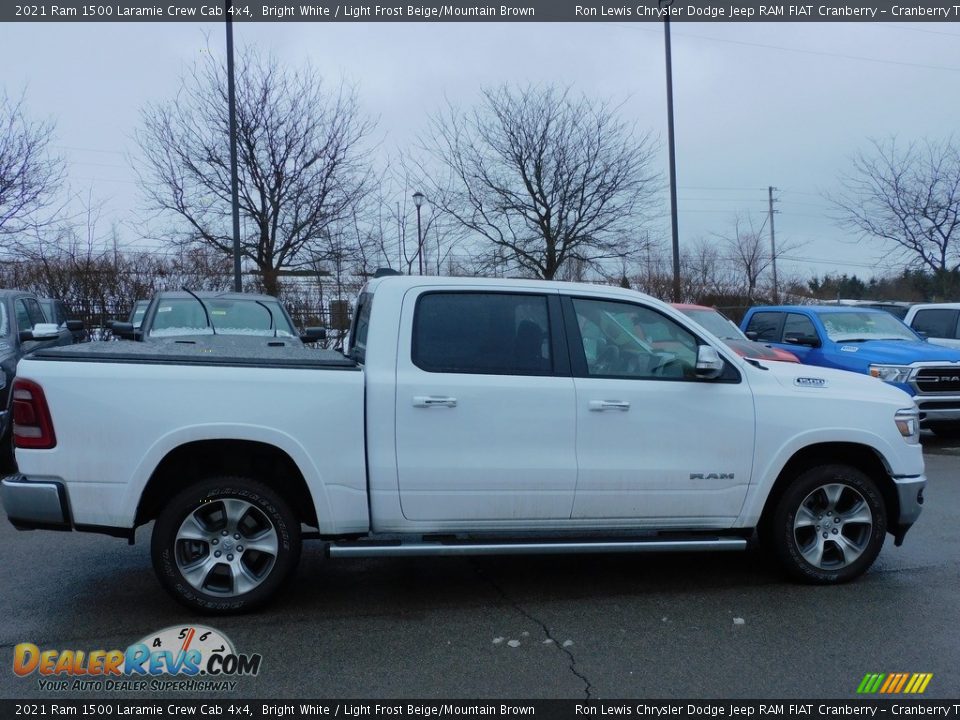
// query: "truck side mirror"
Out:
[124,330]
[752,335]
[75,325]
[41,331]
[313,334]
[709,363]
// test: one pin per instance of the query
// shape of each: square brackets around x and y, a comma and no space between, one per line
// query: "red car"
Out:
[717,323]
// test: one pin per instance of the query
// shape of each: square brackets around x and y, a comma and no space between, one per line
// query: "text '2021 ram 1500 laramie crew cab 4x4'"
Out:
[467,416]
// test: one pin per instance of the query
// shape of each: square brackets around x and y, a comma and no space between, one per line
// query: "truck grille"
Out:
[938,380]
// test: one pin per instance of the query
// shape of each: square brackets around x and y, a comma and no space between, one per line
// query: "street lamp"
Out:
[672,155]
[232,114]
[418,198]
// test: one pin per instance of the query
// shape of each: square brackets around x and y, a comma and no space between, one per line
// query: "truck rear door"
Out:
[485,417]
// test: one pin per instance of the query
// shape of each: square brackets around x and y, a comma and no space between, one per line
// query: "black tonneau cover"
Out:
[223,351]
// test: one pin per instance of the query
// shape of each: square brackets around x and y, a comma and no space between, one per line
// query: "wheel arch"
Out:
[862,457]
[193,461]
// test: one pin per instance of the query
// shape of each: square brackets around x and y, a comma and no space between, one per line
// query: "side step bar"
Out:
[363,549]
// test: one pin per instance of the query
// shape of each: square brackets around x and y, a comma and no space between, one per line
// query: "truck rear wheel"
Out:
[829,525]
[225,545]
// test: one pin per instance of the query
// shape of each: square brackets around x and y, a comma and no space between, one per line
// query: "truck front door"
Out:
[656,445]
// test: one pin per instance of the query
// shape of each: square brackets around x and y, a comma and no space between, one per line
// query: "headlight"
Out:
[891,373]
[908,423]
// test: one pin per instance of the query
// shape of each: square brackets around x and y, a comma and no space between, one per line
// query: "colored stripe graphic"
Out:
[894,683]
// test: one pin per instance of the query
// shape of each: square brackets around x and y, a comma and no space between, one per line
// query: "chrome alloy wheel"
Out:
[226,547]
[832,526]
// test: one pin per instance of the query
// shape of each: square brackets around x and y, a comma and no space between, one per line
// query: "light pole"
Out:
[418,201]
[673,158]
[232,112]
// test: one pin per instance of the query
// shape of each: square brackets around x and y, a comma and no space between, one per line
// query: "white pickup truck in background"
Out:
[468,416]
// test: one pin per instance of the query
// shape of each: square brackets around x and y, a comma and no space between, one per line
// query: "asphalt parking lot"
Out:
[682,626]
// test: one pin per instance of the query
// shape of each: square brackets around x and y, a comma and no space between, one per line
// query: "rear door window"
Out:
[482,333]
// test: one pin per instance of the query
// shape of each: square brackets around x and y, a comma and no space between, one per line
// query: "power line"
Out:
[825,261]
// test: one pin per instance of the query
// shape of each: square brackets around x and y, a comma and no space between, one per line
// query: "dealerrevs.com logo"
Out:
[193,658]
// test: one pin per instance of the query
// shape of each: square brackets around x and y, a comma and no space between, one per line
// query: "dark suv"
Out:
[23,329]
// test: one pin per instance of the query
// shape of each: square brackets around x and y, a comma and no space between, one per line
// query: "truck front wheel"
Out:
[829,525]
[225,544]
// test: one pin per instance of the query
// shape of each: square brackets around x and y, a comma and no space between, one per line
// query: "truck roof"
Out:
[815,308]
[410,281]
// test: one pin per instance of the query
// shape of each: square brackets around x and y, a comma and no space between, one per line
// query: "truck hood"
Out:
[899,352]
[809,378]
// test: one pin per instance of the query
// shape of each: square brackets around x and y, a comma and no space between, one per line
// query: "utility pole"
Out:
[773,249]
[673,162]
[234,182]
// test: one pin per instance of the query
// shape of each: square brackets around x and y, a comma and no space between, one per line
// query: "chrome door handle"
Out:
[601,405]
[428,401]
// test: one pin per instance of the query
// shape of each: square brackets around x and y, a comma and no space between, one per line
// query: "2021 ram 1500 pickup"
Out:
[468,417]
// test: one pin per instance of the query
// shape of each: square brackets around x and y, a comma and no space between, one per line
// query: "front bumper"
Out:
[33,505]
[935,408]
[910,500]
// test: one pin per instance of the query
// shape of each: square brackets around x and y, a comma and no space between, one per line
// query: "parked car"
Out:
[180,316]
[56,312]
[938,322]
[23,328]
[896,308]
[725,329]
[468,416]
[872,342]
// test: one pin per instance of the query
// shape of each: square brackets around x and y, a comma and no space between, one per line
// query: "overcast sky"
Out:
[782,104]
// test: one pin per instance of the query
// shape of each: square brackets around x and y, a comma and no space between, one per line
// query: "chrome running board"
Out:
[367,548]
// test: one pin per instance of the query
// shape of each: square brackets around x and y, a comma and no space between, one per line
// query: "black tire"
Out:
[946,430]
[219,515]
[847,525]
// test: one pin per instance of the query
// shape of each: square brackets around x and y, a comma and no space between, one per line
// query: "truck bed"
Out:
[222,352]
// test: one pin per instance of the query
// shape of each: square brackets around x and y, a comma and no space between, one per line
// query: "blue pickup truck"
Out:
[872,342]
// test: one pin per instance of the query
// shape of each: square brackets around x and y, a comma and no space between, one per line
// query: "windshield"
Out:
[857,326]
[716,323]
[185,316]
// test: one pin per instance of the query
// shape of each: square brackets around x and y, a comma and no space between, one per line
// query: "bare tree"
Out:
[544,177]
[302,166]
[748,252]
[908,198]
[705,268]
[30,174]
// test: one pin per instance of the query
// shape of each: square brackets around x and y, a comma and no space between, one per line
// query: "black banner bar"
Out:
[472,11]
[232,709]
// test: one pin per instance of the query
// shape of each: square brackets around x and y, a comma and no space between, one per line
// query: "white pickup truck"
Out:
[467,416]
